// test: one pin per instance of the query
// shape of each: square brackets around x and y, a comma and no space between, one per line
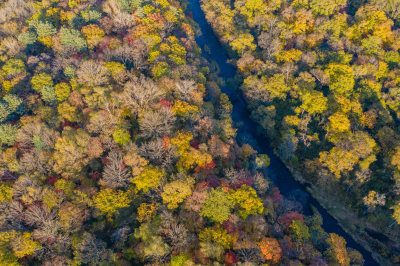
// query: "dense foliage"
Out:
[321,79]
[117,147]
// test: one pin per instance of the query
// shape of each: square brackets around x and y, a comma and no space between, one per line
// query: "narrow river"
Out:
[248,133]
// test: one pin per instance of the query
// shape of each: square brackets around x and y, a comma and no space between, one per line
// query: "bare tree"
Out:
[158,153]
[134,53]
[185,88]
[120,236]
[270,43]
[40,217]
[56,261]
[91,251]
[92,73]
[119,20]
[234,176]
[176,234]
[115,174]
[155,124]
[260,183]
[12,46]
[36,161]
[27,189]
[11,216]
[196,200]
[37,132]
[46,234]
[250,256]
[15,9]
[140,94]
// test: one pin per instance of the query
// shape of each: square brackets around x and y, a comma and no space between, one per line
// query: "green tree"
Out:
[217,207]
[212,250]
[72,38]
[8,134]
[49,95]
[27,37]
[299,230]
[44,29]
[153,244]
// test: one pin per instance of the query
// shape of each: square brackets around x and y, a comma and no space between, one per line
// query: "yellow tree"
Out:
[93,34]
[15,245]
[150,178]
[249,8]
[341,78]
[246,199]
[146,211]
[337,250]
[62,91]
[292,55]
[325,7]
[314,102]
[396,212]
[396,158]
[339,122]
[216,234]
[176,192]
[189,156]
[338,160]
[217,207]
[108,201]
[243,43]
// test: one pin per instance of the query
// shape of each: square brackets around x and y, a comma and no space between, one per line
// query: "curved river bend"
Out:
[247,131]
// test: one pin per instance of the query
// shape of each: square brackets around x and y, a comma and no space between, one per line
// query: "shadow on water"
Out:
[247,132]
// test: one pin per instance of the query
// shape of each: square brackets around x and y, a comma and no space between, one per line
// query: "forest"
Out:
[321,78]
[118,148]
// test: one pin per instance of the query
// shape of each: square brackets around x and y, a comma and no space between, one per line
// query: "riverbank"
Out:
[349,223]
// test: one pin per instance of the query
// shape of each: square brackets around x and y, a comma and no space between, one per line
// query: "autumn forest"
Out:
[119,147]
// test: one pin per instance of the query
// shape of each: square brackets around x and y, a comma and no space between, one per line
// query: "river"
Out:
[248,133]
